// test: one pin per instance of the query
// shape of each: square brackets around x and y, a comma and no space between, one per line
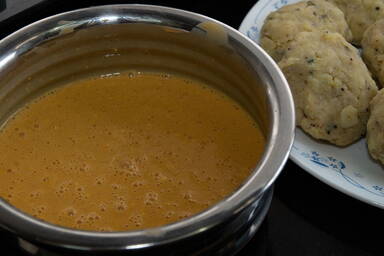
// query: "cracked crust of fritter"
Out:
[331,86]
[360,14]
[373,50]
[281,26]
[375,127]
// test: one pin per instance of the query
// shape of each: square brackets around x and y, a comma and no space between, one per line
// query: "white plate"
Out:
[350,169]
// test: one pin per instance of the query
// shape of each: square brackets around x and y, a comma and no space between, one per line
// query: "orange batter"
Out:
[126,152]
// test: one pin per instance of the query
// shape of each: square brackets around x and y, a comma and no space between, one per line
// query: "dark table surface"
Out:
[306,217]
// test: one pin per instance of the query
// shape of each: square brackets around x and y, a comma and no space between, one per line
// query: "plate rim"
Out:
[245,24]
[334,185]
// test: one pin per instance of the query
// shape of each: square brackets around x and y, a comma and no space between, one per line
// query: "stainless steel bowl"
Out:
[106,40]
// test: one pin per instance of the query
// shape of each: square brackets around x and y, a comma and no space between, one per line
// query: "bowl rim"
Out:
[272,162]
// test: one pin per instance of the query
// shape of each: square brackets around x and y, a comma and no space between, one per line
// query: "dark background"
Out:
[306,217]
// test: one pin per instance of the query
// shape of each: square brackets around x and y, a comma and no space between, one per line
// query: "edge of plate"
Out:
[357,196]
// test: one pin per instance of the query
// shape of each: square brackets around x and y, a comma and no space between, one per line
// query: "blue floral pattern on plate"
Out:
[339,166]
